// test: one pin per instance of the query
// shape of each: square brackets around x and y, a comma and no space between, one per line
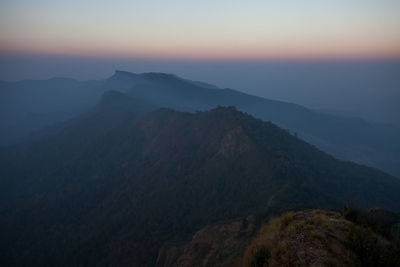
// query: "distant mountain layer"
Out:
[28,108]
[114,185]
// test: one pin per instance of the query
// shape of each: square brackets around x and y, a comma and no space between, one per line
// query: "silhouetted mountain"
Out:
[344,137]
[113,186]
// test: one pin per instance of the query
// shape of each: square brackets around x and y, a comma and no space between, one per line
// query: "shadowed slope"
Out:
[113,186]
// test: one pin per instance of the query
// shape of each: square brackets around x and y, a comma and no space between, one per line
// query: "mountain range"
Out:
[29,109]
[117,183]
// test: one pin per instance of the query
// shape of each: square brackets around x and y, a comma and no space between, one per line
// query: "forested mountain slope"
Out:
[28,108]
[114,185]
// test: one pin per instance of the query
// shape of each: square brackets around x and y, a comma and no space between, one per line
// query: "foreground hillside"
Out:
[304,238]
[112,187]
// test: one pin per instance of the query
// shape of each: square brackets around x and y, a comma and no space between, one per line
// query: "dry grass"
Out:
[298,239]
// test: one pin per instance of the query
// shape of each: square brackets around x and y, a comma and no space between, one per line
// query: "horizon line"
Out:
[211,58]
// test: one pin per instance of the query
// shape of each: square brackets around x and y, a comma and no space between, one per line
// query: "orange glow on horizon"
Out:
[271,52]
[206,30]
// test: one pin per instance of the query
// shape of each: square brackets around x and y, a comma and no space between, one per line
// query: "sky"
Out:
[202,30]
[341,55]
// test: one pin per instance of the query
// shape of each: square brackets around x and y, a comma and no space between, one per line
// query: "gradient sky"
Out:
[207,29]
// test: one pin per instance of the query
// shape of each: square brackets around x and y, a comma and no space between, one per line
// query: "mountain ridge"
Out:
[346,138]
[161,176]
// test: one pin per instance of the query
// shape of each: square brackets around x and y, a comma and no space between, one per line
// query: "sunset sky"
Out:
[224,29]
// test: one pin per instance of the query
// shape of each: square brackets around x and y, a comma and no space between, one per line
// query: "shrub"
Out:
[260,257]
[370,250]
[286,219]
[318,235]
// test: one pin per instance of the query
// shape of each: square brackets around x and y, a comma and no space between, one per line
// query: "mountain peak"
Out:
[160,76]
[225,109]
[120,74]
[150,76]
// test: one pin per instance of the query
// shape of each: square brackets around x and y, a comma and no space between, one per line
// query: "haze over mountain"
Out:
[113,185]
[30,107]
[221,115]
[360,88]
